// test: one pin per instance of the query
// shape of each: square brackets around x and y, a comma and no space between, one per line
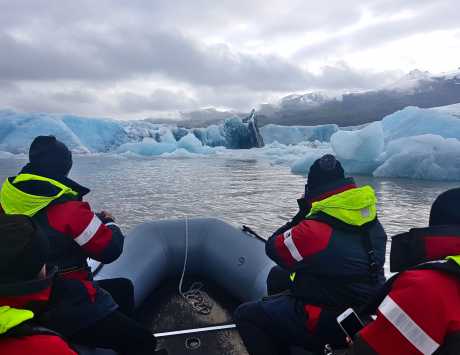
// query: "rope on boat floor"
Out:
[198,299]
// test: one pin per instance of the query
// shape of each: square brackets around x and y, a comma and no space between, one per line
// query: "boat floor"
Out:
[165,310]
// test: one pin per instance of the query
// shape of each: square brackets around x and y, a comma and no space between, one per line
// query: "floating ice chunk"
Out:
[97,135]
[191,144]
[430,157]
[411,143]
[212,135]
[151,147]
[18,131]
[148,147]
[302,166]
[450,109]
[364,145]
[297,134]
[6,155]
[236,133]
[414,121]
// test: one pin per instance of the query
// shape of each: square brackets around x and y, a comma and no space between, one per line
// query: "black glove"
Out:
[104,218]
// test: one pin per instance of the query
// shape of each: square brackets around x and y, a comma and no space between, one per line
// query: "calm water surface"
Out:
[239,191]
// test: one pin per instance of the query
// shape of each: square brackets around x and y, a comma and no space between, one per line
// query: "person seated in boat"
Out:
[418,310]
[278,279]
[335,255]
[88,312]
[25,288]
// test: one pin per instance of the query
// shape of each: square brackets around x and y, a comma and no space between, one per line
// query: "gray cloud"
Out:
[431,17]
[167,55]
[73,97]
[48,99]
[159,100]
[341,76]
[7,87]
[170,55]
[202,49]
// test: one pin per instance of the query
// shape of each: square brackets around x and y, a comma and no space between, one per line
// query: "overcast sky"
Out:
[142,58]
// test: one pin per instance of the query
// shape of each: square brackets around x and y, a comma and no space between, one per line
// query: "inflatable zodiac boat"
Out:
[223,267]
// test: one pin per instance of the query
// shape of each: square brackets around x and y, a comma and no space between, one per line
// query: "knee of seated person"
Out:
[277,280]
[250,312]
[243,312]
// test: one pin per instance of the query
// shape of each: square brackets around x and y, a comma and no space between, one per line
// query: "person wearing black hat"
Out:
[83,310]
[25,288]
[418,310]
[333,252]
[323,171]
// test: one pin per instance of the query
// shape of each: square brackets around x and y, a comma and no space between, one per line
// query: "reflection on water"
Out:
[239,191]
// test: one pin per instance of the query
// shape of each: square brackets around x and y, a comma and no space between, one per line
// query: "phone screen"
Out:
[351,324]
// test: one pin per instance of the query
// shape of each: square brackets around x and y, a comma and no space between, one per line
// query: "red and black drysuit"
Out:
[29,337]
[75,234]
[418,310]
[337,266]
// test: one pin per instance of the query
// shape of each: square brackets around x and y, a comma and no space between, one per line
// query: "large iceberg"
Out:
[411,143]
[362,145]
[422,157]
[414,121]
[96,135]
[83,135]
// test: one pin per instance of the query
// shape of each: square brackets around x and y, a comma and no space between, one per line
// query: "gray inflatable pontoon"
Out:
[231,265]
[155,251]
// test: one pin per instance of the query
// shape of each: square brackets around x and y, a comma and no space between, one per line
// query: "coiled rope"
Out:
[195,296]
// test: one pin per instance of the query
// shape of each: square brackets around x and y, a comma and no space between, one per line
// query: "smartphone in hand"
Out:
[350,323]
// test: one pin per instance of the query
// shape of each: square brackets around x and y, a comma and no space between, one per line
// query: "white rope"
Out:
[194,296]
[185,258]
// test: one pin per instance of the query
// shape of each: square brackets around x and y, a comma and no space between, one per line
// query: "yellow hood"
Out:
[355,207]
[15,201]
[11,317]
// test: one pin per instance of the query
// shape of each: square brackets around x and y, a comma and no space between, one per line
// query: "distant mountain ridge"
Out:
[417,88]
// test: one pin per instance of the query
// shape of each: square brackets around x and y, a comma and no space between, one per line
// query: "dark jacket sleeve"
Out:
[113,249]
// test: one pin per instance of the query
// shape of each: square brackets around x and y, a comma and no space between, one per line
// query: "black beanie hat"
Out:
[50,157]
[324,170]
[23,249]
[445,209]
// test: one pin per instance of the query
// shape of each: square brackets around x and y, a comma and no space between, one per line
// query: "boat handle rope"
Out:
[198,299]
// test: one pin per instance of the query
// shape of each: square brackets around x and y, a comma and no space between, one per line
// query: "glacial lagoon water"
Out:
[237,190]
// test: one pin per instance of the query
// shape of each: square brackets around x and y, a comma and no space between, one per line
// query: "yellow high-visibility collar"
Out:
[355,207]
[15,201]
[11,317]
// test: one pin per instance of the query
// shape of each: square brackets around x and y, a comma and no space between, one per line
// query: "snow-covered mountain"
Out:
[411,82]
[308,100]
[417,88]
